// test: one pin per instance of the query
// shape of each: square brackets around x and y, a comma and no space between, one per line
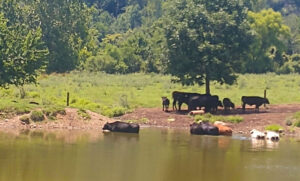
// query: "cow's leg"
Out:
[257,108]
[179,105]
[244,106]
[174,104]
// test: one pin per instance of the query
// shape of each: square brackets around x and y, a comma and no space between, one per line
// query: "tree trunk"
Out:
[207,87]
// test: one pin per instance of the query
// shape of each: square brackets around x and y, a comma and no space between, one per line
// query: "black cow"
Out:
[165,103]
[204,128]
[214,103]
[254,100]
[227,104]
[182,97]
[119,126]
[210,103]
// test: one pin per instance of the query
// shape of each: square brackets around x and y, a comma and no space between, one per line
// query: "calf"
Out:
[119,126]
[165,103]
[204,128]
[254,100]
[227,104]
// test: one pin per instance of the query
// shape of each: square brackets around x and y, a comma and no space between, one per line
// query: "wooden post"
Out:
[265,96]
[68,98]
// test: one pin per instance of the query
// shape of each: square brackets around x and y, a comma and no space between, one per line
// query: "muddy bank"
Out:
[272,114]
[155,117]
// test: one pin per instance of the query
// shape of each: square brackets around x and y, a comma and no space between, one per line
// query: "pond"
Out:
[153,155]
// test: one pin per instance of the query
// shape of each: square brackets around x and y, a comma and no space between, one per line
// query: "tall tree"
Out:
[205,40]
[22,52]
[266,49]
[65,31]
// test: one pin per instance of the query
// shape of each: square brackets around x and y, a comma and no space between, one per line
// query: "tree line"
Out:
[196,41]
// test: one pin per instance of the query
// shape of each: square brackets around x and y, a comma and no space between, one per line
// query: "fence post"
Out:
[68,98]
[265,96]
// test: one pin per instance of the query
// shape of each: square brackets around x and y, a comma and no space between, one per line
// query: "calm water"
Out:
[153,155]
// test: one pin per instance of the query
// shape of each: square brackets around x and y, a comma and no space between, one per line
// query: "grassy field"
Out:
[113,95]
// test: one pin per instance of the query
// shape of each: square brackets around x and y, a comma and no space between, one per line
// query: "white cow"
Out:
[271,135]
[257,134]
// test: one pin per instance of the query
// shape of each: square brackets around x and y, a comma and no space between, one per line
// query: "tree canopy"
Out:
[22,52]
[205,40]
[197,41]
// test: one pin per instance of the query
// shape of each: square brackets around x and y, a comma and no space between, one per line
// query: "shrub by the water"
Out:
[84,114]
[273,127]
[53,111]
[37,116]
[25,119]
[297,123]
[212,118]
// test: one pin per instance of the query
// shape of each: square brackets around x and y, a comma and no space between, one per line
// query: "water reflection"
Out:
[50,137]
[152,155]
[263,145]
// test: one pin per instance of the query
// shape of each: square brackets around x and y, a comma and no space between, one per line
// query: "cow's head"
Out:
[232,105]
[266,101]
[220,104]
[107,126]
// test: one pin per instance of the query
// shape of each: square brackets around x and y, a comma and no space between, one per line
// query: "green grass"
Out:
[212,118]
[273,127]
[84,114]
[114,95]
[37,116]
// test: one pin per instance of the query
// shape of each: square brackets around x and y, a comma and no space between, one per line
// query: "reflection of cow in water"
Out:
[254,100]
[182,97]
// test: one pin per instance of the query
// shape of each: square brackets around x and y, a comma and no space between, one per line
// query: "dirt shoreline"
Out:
[155,117]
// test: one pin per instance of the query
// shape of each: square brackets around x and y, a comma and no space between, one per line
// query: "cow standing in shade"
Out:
[227,104]
[182,97]
[254,100]
[165,103]
[209,102]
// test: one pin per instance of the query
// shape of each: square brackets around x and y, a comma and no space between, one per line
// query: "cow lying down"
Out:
[257,134]
[269,135]
[119,126]
[204,128]
[224,130]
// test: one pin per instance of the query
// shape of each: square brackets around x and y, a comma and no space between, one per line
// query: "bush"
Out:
[53,111]
[273,127]
[211,118]
[297,123]
[84,114]
[103,63]
[113,112]
[234,119]
[37,116]
[25,119]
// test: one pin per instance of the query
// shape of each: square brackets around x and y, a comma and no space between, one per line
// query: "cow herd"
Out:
[195,101]
[210,103]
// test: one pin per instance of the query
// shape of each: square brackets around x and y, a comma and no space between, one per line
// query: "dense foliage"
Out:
[194,40]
